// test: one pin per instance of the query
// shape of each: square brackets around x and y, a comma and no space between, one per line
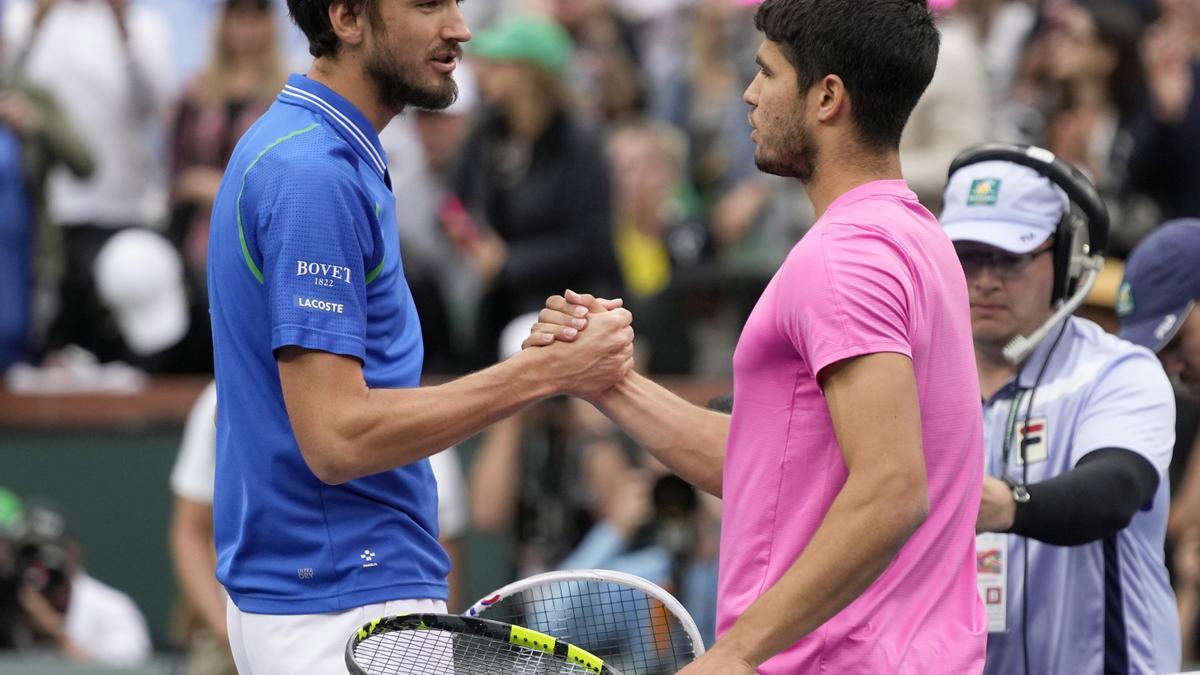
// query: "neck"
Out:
[527,117]
[346,76]
[994,370]
[1089,93]
[841,172]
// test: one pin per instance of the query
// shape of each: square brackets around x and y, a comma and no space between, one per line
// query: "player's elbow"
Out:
[916,512]
[331,460]
[713,484]
[326,468]
[903,507]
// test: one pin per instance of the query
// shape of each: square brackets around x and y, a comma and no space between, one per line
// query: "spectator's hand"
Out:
[996,506]
[1167,55]
[18,114]
[47,621]
[630,505]
[198,185]
[564,316]
[43,618]
[487,254]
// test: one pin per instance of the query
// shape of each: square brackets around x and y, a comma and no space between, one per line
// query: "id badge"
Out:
[991,556]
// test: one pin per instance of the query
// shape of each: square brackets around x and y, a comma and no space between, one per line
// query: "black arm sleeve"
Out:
[1094,500]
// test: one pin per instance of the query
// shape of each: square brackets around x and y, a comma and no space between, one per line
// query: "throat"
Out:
[994,373]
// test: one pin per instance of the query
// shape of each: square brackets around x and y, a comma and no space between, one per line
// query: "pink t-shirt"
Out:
[875,274]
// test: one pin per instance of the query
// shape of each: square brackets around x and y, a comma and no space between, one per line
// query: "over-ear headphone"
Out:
[1082,232]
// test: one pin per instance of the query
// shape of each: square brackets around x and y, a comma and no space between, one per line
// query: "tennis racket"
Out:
[629,622]
[445,644]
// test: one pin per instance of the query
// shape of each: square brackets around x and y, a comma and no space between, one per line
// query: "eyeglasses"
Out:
[1004,264]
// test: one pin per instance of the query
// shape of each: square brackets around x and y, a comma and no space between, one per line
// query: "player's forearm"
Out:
[863,531]
[687,438]
[385,428]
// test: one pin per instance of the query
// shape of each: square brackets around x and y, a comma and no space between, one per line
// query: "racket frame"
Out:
[605,576]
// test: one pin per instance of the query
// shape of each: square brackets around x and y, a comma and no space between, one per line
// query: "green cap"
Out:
[536,40]
[10,509]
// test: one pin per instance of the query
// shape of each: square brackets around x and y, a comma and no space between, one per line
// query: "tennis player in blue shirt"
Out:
[324,505]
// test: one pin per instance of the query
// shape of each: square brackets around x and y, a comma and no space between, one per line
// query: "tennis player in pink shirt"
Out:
[852,464]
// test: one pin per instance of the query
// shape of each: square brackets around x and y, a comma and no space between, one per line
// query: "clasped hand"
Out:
[597,335]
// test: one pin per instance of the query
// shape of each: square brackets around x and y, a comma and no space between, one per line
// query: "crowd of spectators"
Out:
[608,126]
[596,144]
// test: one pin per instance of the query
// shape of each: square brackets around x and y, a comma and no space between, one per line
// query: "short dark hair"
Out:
[312,18]
[884,51]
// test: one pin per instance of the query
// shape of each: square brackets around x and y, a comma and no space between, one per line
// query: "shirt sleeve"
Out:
[850,295]
[195,467]
[316,234]
[1131,407]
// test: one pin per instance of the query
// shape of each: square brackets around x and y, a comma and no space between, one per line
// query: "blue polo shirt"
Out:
[1107,606]
[304,251]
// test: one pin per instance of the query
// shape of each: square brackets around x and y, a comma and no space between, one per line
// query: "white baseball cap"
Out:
[1002,204]
[514,334]
[139,277]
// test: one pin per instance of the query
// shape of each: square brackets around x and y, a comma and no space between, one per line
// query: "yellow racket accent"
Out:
[584,658]
[524,637]
[368,630]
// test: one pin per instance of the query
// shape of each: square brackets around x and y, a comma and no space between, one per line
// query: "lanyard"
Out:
[1010,432]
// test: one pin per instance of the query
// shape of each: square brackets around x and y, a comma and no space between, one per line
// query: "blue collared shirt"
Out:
[304,252]
[1106,606]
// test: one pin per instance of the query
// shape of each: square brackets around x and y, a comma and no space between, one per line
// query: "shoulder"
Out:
[98,597]
[853,244]
[1101,344]
[147,21]
[36,95]
[1113,363]
[300,154]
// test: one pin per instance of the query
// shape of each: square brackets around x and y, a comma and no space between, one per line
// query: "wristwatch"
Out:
[1020,494]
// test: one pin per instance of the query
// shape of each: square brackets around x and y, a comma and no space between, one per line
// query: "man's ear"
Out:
[832,98]
[347,24]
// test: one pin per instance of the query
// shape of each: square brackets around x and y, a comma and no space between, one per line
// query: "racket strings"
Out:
[625,626]
[434,652]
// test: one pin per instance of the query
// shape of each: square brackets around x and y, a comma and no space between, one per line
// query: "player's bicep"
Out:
[319,391]
[876,415]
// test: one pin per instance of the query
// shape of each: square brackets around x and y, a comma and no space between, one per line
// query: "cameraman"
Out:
[1079,430]
[65,608]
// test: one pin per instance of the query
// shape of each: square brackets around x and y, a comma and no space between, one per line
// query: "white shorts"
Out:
[302,644]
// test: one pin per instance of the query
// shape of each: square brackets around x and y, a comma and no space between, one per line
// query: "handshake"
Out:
[571,360]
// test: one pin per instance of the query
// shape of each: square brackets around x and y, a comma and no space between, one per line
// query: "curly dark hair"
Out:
[884,51]
[312,18]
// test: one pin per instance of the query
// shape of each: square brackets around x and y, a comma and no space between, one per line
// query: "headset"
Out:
[1079,238]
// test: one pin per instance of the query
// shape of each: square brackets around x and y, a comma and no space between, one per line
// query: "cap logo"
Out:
[984,192]
[1124,303]
[1164,327]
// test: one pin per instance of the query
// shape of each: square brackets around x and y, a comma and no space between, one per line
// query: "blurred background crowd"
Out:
[603,148]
